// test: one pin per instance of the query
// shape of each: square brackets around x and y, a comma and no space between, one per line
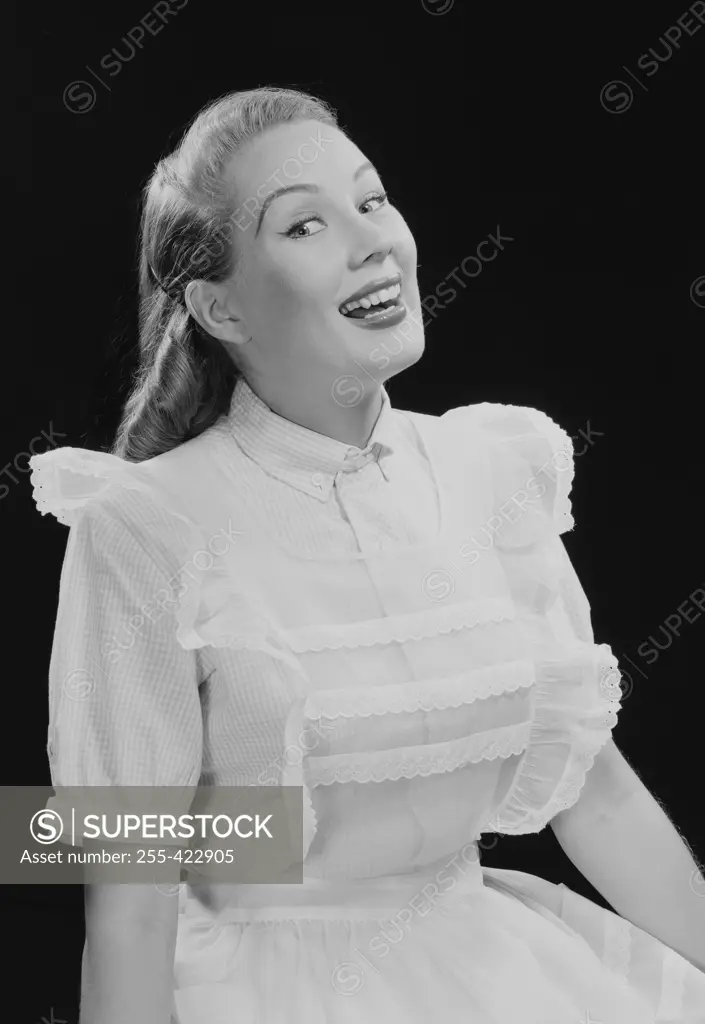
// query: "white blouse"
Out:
[398,630]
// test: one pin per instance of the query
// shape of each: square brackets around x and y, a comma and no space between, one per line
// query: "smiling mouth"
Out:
[371,304]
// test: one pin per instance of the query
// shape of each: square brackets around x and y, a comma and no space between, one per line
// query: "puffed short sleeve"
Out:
[533,471]
[575,697]
[124,707]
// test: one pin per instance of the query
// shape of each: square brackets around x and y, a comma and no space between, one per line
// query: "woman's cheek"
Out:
[406,246]
[318,283]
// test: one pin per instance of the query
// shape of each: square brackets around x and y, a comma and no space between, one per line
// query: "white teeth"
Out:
[373,298]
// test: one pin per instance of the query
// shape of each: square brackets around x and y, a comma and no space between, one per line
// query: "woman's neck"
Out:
[323,410]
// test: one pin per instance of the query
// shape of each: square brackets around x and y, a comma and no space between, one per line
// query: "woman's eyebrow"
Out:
[302,187]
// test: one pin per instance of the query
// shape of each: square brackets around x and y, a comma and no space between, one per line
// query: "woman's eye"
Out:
[297,230]
[378,197]
[302,227]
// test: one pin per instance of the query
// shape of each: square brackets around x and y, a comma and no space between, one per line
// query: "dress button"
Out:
[317,480]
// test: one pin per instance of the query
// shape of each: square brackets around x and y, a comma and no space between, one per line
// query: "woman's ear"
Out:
[210,306]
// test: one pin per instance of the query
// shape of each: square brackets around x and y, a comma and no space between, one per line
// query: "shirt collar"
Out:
[297,455]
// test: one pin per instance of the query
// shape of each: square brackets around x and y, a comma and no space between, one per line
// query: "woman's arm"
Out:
[138,723]
[129,955]
[623,842]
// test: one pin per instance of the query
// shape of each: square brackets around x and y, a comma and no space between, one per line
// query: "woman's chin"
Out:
[372,357]
[393,351]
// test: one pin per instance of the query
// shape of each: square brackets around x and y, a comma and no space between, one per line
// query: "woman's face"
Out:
[312,230]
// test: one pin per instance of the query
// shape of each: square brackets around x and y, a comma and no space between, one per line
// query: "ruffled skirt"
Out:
[486,946]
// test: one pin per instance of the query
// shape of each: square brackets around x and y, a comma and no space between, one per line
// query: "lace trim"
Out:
[80,460]
[586,729]
[560,441]
[548,431]
[52,486]
[569,792]
[49,489]
[426,695]
[310,820]
[399,628]
[409,762]
[292,773]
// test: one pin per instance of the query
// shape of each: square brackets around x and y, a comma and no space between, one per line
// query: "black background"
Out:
[477,121]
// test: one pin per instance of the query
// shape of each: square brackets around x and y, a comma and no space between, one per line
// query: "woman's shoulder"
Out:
[525,448]
[67,482]
[512,427]
[496,419]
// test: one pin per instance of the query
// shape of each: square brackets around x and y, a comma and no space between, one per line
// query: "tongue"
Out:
[358,313]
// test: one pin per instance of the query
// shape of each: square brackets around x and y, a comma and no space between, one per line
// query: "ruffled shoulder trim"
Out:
[533,465]
[65,480]
[576,703]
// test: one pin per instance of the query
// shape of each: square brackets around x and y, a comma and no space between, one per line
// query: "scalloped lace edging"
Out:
[49,491]
[66,515]
[79,460]
[285,643]
[410,762]
[425,695]
[560,441]
[398,628]
[310,820]
[565,796]
[569,790]
[586,729]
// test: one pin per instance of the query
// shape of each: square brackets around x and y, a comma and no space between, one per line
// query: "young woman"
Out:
[372,604]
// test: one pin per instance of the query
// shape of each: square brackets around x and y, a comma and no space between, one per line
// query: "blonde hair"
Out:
[185,379]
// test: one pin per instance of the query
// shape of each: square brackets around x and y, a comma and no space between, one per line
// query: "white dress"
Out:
[240,619]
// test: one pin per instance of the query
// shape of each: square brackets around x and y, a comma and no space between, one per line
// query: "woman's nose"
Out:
[371,243]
